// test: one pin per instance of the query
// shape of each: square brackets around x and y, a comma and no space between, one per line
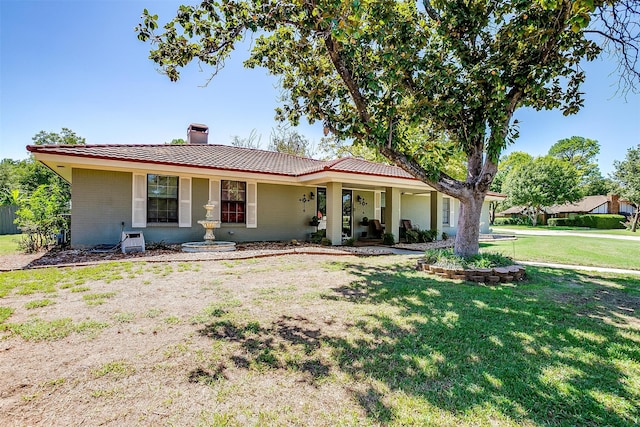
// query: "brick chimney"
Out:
[197,134]
[614,204]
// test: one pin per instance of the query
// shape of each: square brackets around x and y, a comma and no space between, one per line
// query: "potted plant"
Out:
[365,221]
[314,221]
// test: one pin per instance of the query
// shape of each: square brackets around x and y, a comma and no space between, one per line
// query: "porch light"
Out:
[311,195]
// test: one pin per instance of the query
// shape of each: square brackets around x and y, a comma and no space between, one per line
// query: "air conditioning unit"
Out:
[132,241]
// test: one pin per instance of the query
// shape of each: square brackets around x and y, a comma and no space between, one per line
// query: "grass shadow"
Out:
[559,349]
[549,351]
[288,343]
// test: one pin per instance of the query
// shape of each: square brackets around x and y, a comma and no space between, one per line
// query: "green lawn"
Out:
[350,342]
[615,232]
[570,250]
[9,243]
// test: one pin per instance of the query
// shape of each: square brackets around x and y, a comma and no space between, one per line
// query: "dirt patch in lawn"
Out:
[169,343]
[303,339]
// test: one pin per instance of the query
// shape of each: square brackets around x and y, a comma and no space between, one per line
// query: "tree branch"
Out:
[346,76]
[433,14]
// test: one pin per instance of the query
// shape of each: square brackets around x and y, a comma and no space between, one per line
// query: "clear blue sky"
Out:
[78,64]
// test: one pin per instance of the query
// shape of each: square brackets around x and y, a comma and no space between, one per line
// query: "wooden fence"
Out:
[7,216]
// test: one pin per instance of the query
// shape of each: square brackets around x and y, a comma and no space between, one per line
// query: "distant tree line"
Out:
[42,197]
[567,173]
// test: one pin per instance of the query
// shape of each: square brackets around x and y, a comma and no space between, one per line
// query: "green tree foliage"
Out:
[505,166]
[66,136]
[581,153]
[8,178]
[10,196]
[31,174]
[453,72]
[42,196]
[290,141]
[543,182]
[627,174]
[41,216]
[176,141]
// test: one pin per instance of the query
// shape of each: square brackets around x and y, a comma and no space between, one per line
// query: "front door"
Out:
[347,213]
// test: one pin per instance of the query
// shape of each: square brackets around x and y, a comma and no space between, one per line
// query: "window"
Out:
[233,198]
[322,203]
[347,216]
[383,206]
[446,210]
[162,198]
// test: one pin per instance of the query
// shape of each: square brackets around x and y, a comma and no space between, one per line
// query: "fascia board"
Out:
[363,179]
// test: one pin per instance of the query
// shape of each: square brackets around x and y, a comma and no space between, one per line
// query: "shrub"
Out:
[421,236]
[512,221]
[600,221]
[446,258]
[502,221]
[41,217]
[325,242]
[429,235]
[561,222]
[318,236]
[413,236]
[349,242]
[388,239]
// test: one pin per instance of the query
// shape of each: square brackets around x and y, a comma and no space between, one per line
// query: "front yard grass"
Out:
[573,250]
[298,340]
[9,244]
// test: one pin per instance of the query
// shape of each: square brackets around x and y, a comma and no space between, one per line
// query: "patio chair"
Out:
[405,225]
[376,228]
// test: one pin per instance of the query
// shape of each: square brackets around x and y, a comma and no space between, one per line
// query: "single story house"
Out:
[609,204]
[160,190]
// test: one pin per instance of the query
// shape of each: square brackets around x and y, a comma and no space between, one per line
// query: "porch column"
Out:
[392,212]
[334,212]
[436,212]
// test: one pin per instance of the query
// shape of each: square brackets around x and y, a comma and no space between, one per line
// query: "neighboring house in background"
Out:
[259,195]
[610,204]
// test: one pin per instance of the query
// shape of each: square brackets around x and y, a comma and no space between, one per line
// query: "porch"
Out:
[364,213]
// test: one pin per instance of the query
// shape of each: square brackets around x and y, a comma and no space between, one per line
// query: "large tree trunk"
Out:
[493,206]
[469,225]
[636,217]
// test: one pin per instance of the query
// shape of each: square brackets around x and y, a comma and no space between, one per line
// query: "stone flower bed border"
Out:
[512,273]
